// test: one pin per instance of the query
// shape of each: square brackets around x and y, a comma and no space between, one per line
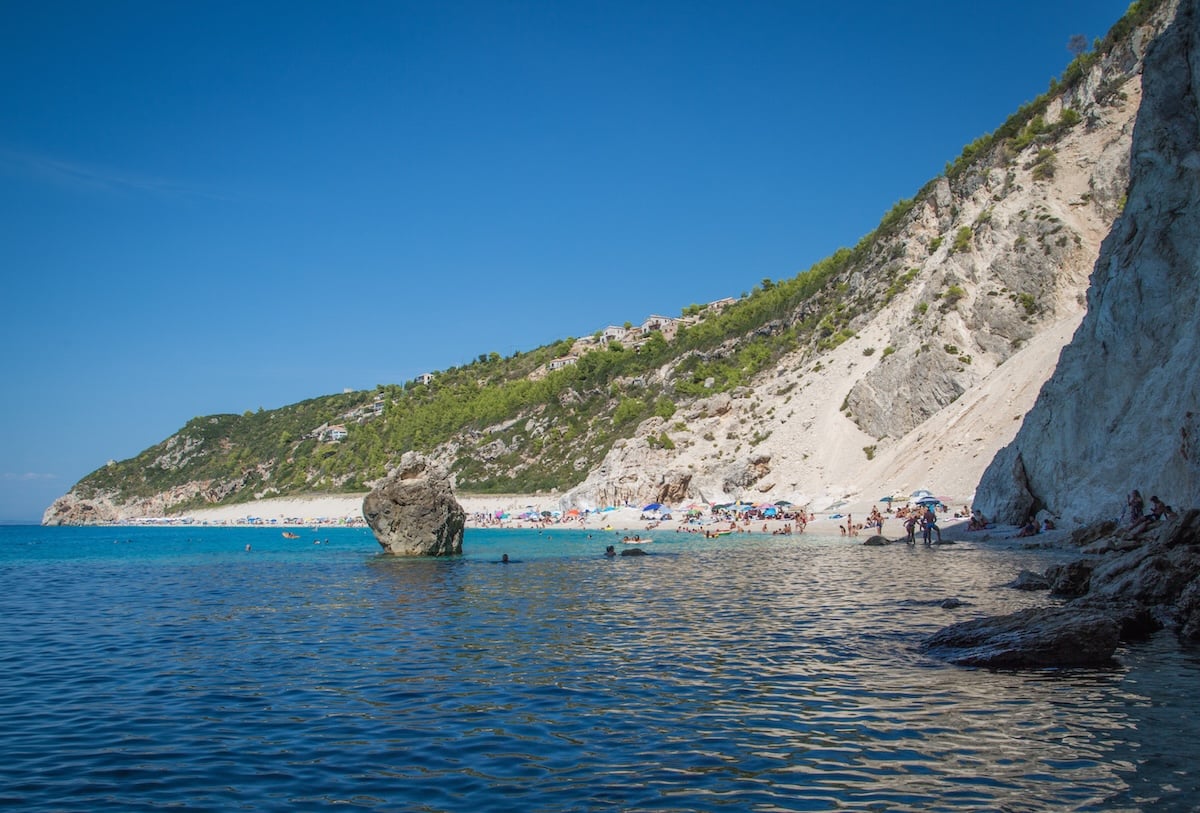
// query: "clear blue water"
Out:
[152,668]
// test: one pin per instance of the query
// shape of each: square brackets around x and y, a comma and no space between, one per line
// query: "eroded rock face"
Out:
[72,510]
[414,511]
[1122,409]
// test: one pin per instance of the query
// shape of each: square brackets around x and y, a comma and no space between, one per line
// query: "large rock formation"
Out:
[71,509]
[414,511]
[1122,409]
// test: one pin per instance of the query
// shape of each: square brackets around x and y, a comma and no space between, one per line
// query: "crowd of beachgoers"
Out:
[895,517]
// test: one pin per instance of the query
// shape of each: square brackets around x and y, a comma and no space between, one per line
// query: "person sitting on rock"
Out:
[1030,528]
[1158,511]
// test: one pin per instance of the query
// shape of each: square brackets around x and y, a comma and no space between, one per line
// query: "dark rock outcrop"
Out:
[1161,575]
[1072,579]
[414,512]
[1122,595]
[1037,637]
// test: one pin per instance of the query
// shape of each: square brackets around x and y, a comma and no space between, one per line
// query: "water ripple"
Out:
[745,674]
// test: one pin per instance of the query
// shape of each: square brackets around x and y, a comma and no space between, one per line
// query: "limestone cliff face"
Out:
[974,295]
[1122,410]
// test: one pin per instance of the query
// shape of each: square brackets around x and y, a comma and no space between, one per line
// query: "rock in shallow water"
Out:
[414,512]
[1037,637]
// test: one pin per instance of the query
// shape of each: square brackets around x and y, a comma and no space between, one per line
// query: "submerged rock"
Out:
[414,512]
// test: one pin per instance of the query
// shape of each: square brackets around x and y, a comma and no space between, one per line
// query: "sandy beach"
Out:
[482,511]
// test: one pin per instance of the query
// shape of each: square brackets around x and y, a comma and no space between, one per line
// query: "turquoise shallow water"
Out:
[155,668]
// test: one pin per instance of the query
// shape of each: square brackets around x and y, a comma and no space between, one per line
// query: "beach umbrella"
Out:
[654,506]
[783,504]
[885,499]
[931,500]
[770,512]
[920,493]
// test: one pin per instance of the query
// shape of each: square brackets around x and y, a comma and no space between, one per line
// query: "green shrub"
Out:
[1043,165]
[1068,119]
[630,409]
[962,240]
[664,407]
[953,294]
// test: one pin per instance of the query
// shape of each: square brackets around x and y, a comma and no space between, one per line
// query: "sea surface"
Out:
[145,669]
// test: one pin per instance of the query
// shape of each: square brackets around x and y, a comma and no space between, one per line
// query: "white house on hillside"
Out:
[613,333]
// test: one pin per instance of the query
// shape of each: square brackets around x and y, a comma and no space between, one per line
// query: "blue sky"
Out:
[209,207]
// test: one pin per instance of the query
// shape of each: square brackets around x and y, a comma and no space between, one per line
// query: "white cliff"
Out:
[1122,410]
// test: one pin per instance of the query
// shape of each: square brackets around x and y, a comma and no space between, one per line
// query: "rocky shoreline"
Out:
[1127,585]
